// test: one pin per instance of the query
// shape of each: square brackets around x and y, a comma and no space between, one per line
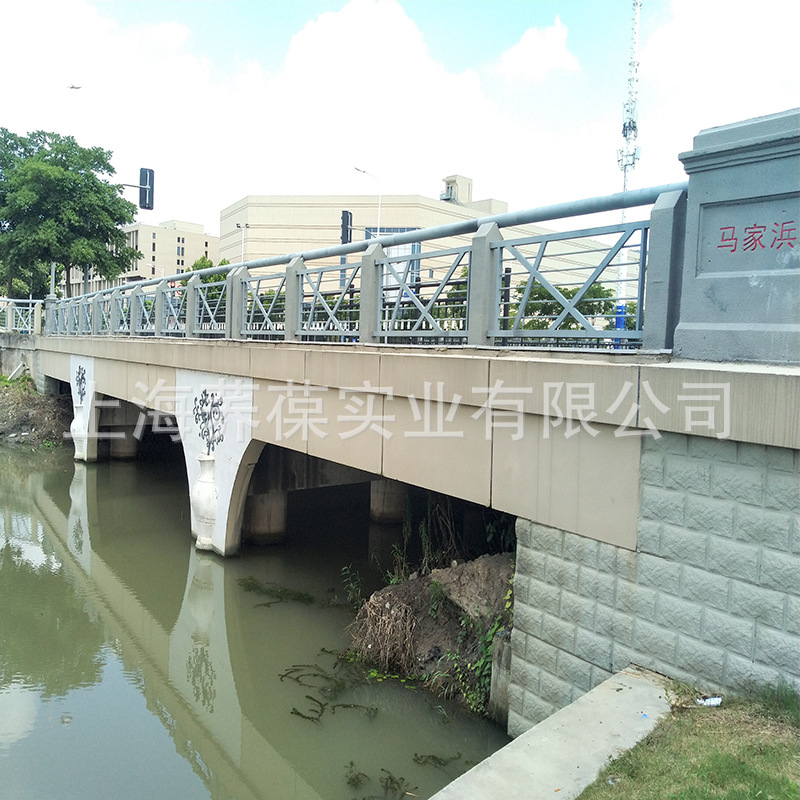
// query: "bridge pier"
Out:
[119,422]
[387,501]
[387,509]
[83,428]
[124,445]
[265,516]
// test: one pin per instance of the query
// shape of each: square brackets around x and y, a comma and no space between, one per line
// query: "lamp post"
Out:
[243,227]
[380,197]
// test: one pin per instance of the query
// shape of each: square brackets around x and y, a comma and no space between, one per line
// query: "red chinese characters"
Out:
[754,237]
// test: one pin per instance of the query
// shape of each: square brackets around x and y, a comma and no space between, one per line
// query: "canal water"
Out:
[133,666]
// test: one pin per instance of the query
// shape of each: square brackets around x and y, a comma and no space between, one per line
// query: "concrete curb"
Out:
[564,753]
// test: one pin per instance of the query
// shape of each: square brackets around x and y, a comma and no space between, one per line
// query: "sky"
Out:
[228,98]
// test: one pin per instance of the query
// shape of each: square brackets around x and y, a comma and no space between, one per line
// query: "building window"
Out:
[154,247]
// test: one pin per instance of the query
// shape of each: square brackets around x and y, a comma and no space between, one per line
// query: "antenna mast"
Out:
[629,155]
[627,158]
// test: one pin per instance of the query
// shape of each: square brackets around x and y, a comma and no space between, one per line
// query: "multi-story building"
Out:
[167,249]
[260,226]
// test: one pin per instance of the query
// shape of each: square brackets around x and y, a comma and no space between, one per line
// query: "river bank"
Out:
[32,418]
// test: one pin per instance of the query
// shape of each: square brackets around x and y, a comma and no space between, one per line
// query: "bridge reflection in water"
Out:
[208,656]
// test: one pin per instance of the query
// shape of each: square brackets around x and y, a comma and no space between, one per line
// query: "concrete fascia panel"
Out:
[763,402]
[549,381]
[455,465]
[575,481]
[343,367]
[407,373]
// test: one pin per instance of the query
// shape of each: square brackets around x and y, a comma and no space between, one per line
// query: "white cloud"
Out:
[715,62]
[359,87]
[537,54]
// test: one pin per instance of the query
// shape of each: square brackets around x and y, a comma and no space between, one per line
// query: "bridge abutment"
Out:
[710,595]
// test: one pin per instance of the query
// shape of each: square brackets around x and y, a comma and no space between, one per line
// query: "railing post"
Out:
[483,285]
[158,310]
[97,315]
[294,298]
[38,316]
[113,323]
[234,307]
[370,304]
[49,317]
[664,271]
[81,314]
[191,305]
[246,302]
[134,311]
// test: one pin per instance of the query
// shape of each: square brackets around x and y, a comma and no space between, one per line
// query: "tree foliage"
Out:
[56,205]
[542,308]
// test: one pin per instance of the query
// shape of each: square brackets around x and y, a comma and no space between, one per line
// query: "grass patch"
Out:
[746,749]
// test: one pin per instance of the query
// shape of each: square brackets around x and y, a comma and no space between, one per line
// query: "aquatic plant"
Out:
[279,593]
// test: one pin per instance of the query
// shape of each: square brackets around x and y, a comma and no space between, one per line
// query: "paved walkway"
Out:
[561,756]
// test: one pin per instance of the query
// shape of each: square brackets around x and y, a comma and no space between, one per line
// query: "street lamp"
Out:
[243,227]
[380,197]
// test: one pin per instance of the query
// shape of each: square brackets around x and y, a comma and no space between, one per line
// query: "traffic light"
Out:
[146,189]
[347,227]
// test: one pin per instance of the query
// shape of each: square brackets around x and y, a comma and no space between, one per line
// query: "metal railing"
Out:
[18,316]
[580,288]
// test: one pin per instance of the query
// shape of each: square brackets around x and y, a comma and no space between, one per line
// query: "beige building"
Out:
[262,226]
[167,249]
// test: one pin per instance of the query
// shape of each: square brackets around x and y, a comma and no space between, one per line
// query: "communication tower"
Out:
[629,155]
[627,158]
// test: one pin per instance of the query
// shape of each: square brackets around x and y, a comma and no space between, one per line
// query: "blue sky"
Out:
[225,98]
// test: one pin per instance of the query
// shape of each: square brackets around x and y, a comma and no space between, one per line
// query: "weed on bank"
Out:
[744,749]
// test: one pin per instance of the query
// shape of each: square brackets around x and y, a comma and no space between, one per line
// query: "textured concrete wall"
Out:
[711,596]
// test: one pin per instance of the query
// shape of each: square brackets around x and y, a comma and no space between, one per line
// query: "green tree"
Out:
[542,308]
[57,205]
[32,281]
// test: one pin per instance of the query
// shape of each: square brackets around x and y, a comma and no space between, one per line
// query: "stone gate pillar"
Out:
[739,297]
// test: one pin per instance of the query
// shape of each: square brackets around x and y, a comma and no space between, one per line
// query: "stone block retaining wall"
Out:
[711,596]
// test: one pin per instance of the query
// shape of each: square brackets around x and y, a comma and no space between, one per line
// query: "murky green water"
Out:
[133,666]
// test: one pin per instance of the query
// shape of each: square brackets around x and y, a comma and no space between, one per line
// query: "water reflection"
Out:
[48,639]
[104,597]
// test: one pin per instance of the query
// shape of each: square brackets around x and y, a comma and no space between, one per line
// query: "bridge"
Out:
[630,391]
